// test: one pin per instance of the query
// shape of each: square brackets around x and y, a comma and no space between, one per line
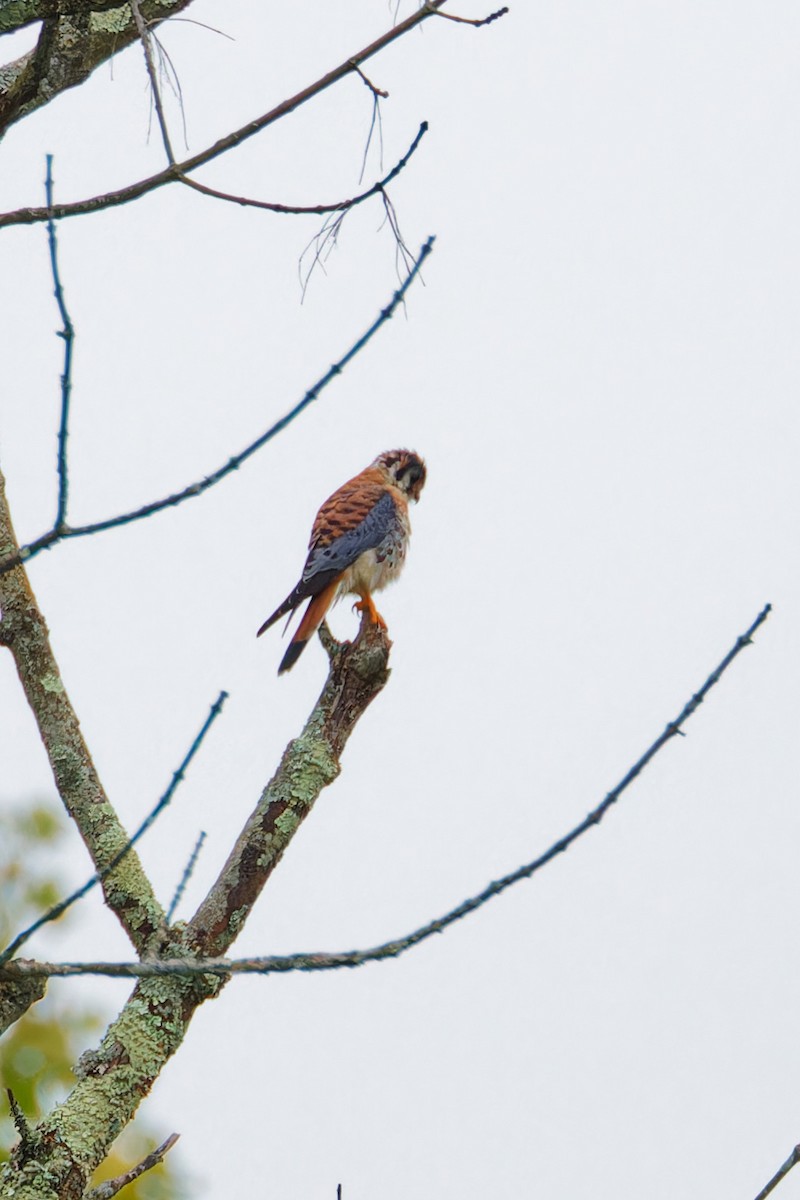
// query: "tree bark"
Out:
[75,38]
[24,632]
[59,1156]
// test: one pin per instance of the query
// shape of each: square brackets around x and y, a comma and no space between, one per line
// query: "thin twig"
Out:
[68,334]
[20,1123]
[54,536]
[168,72]
[274,964]
[56,911]
[402,254]
[325,239]
[340,206]
[378,94]
[30,216]
[376,121]
[476,21]
[323,242]
[186,876]
[376,91]
[144,37]
[111,1186]
[202,25]
[781,1173]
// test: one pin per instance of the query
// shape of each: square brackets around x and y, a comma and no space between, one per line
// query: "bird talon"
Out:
[367,605]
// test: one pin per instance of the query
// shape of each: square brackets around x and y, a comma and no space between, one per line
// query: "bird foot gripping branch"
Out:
[358,545]
[367,605]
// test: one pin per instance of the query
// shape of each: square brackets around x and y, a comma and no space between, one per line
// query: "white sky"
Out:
[602,372]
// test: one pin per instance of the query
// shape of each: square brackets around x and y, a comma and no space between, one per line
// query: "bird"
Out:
[357,546]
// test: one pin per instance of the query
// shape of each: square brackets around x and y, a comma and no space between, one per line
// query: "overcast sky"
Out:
[602,372]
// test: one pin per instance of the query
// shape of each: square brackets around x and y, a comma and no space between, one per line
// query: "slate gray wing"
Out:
[328,559]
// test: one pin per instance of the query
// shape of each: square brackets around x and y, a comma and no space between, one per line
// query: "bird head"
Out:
[403,468]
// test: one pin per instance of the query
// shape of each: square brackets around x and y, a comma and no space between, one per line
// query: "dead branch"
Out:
[320,961]
[780,1174]
[126,888]
[153,1023]
[358,672]
[186,875]
[111,1186]
[377,92]
[474,21]
[144,37]
[10,558]
[173,173]
[57,910]
[339,206]
[67,332]
[20,1123]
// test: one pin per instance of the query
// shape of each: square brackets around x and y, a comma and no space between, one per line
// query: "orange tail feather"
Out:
[310,623]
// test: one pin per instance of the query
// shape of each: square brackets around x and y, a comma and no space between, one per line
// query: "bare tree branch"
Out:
[377,92]
[476,21]
[113,1079]
[404,259]
[64,1148]
[20,1123]
[168,71]
[23,630]
[186,876]
[9,560]
[781,1173]
[68,334]
[340,206]
[59,909]
[358,672]
[144,37]
[170,174]
[321,961]
[110,1188]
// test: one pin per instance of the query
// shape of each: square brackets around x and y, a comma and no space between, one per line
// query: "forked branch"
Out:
[58,910]
[11,559]
[316,961]
[105,1191]
[114,1078]
[175,172]
[24,631]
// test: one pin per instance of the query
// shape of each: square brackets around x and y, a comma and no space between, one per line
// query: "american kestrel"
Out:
[358,545]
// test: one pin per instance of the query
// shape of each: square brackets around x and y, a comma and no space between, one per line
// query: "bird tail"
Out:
[312,619]
[292,601]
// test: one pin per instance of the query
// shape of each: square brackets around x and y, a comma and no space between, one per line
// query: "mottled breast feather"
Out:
[332,551]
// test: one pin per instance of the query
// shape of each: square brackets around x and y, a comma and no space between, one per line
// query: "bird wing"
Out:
[355,518]
[351,522]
